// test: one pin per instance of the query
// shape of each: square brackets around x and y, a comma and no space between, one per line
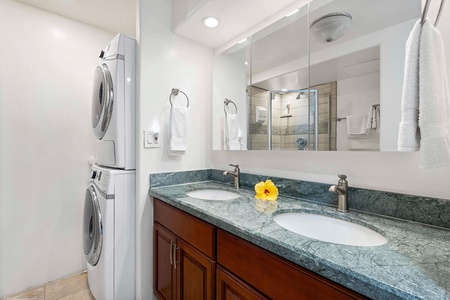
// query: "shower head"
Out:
[300,95]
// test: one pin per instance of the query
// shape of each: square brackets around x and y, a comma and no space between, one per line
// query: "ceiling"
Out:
[111,15]
[354,64]
[234,16]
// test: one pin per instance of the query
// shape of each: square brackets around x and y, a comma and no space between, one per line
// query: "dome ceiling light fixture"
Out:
[210,22]
[330,27]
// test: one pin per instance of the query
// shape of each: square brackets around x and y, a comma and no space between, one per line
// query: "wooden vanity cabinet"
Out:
[182,271]
[185,268]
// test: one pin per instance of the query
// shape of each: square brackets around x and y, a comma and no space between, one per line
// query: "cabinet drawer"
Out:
[273,275]
[229,287]
[200,234]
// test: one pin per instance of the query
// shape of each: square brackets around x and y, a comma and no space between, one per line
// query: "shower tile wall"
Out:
[296,126]
[276,122]
[327,92]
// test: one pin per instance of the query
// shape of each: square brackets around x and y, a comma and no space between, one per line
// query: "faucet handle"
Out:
[343,177]
[236,166]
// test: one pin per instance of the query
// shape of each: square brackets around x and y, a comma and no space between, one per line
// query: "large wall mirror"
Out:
[326,77]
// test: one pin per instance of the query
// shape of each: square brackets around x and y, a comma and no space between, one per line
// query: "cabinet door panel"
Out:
[230,287]
[164,276]
[196,273]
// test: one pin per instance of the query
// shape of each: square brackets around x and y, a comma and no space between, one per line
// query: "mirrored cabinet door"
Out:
[279,86]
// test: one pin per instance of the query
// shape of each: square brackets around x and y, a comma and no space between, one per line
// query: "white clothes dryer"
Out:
[114,105]
[109,233]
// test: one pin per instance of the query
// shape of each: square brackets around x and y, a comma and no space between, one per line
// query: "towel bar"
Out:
[175,92]
[226,102]
[340,119]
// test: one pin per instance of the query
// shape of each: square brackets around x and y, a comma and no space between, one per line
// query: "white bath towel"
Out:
[434,103]
[232,132]
[356,126]
[178,130]
[409,135]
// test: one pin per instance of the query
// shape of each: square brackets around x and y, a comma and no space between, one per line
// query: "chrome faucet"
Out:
[236,174]
[342,190]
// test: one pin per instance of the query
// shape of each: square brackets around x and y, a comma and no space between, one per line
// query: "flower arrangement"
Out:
[266,190]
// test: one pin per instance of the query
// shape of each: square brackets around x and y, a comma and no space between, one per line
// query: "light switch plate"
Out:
[152,139]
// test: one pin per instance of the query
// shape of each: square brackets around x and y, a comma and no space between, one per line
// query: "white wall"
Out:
[389,171]
[47,64]
[356,96]
[167,61]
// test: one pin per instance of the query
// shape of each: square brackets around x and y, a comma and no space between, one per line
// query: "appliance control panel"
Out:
[101,179]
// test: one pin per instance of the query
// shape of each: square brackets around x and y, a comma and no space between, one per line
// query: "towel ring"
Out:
[425,12]
[175,92]
[226,102]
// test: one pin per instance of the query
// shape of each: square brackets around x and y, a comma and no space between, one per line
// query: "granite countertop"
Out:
[414,264]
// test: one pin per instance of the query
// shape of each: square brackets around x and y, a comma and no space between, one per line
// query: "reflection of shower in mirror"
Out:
[301,95]
[301,143]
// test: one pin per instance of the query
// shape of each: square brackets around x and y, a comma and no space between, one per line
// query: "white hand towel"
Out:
[356,125]
[232,127]
[409,135]
[434,103]
[178,130]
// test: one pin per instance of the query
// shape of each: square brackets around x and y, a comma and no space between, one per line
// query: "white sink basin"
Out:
[213,195]
[329,229]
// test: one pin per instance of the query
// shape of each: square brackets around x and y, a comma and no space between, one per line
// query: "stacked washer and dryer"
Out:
[109,208]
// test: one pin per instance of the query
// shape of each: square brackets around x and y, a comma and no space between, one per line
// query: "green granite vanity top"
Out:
[414,264]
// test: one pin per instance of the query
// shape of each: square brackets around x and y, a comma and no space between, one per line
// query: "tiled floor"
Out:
[71,288]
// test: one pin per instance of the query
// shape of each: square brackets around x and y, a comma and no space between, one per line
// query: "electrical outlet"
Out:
[151,139]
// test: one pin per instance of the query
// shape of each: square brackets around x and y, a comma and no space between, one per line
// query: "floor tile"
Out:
[32,294]
[66,287]
[81,295]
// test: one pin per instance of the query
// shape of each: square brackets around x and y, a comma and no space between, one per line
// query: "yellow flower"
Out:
[266,190]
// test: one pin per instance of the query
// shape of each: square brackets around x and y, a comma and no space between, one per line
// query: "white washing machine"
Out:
[109,233]
[114,105]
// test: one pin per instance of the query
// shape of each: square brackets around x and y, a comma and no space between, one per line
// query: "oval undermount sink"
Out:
[210,194]
[328,229]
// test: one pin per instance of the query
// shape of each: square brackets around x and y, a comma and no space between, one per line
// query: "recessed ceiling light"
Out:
[242,41]
[246,63]
[292,12]
[210,22]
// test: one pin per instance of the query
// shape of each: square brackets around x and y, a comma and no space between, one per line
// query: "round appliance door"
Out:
[102,100]
[92,227]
